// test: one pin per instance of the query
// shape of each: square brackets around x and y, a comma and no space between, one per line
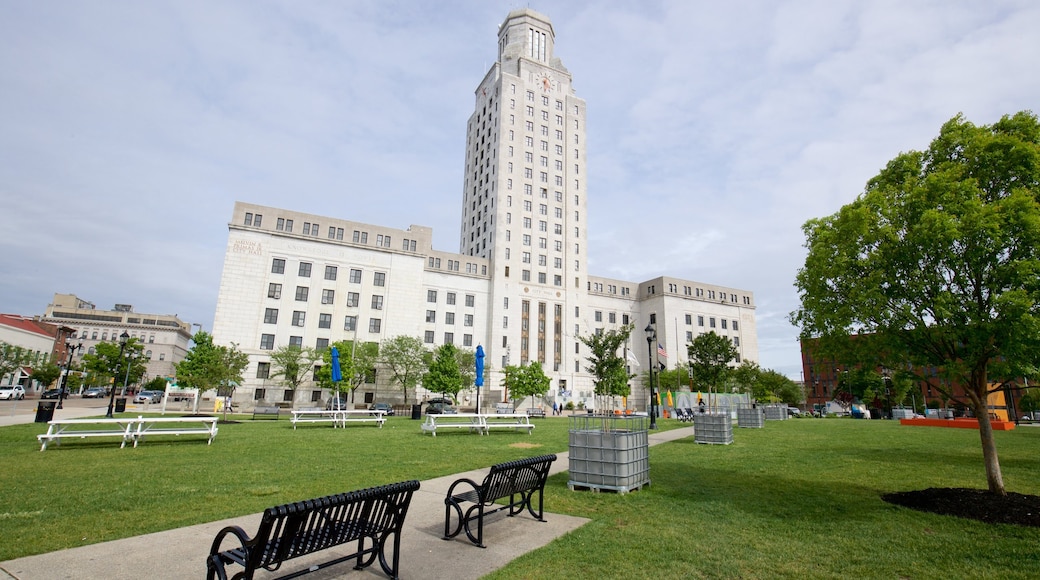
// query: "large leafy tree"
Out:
[605,364]
[211,366]
[443,375]
[405,358]
[526,381]
[46,373]
[937,262]
[709,355]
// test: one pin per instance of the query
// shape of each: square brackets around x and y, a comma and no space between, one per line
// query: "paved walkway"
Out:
[181,553]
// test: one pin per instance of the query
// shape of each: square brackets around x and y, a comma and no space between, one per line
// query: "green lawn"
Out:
[799,498]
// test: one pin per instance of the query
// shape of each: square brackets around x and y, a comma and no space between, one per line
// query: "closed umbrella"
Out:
[337,373]
[479,380]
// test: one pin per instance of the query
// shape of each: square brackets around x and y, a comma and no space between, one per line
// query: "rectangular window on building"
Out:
[271,316]
[468,320]
[274,290]
[249,219]
[321,344]
[431,316]
[331,272]
[377,302]
[711,322]
[355,276]
[735,325]
[353,298]
[449,338]
[431,296]
[374,325]
[350,323]
[296,341]
[301,293]
[470,300]
[298,317]
[451,298]
[278,266]
[467,340]
[449,318]
[324,321]
[263,370]
[280,224]
[379,279]
[305,269]
[328,296]
[689,319]
[700,321]
[723,322]
[428,337]
[266,342]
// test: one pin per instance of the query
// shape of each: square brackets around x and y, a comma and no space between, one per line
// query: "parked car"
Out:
[94,393]
[337,403]
[384,407]
[50,394]
[794,412]
[12,392]
[148,397]
[440,407]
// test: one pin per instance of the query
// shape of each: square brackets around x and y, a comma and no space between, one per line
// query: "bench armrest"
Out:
[451,490]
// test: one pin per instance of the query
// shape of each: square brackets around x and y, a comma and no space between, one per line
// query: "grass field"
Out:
[799,498]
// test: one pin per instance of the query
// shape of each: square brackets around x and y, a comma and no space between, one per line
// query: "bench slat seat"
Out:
[517,480]
[371,517]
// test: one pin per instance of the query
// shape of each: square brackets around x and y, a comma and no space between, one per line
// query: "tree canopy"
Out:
[936,265]
[443,375]
[106,363]
[355,363]
[710,355]
[210,366]
[405,358]
[526,381]
[291,363]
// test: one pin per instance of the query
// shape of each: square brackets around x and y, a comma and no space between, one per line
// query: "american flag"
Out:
[661,351]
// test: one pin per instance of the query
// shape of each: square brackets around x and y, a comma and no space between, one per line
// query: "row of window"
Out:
[711,322]
[610,288]
[449,298]
[115,335]
[334,233]
[331,272]
[700,293]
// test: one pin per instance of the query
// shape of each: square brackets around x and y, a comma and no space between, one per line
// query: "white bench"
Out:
[338,418]
[477,422]
[176,426]
[127,429]
[515,421]
[471,421]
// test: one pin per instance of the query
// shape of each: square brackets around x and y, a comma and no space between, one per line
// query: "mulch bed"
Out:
[975,504]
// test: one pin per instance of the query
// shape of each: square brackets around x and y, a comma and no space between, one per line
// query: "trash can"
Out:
[45,411]
[416,412]
[120,405]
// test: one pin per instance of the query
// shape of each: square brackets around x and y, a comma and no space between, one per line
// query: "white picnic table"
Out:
[128,429]
[338,417]
[476,422]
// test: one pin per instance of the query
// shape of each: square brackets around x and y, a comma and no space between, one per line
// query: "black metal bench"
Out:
[369,516]
[518,480]
[266,413]
[536,412]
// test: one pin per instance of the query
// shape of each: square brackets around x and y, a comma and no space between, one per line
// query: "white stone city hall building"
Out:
[519,286]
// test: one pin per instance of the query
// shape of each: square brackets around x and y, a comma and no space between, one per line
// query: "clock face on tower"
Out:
[547,83]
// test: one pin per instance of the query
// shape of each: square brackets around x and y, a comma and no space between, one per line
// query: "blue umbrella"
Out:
[337,373]
[479,381]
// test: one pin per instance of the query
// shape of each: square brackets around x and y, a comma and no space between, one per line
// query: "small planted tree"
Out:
[443,375]
[606,364]
[405,358]
[526,381]
[710,355]
[291,363]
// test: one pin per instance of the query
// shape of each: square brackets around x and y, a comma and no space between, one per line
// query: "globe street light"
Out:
[651,338]
[123,338]
[70,350]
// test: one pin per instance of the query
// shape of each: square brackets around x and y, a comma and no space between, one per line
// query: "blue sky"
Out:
[715,129]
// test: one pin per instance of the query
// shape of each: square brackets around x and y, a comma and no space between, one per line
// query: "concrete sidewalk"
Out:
[181,553]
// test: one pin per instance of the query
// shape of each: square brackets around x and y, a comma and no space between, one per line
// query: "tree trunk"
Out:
[994,478]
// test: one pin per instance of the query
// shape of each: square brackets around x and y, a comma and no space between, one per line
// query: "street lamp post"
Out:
[651,337]
[123,338]
[70,350]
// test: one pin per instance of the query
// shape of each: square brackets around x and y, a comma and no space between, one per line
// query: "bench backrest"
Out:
[304,527]
[513,477]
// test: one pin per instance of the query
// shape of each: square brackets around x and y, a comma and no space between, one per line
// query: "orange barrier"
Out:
[958,423]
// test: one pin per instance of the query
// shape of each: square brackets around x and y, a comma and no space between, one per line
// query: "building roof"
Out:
[26,324]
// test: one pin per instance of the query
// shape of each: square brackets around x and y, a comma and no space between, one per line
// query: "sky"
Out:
[715,130]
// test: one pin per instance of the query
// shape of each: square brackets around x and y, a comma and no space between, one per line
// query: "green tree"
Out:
[291,363]
[210,366]
[775,387]
[355,363]
[155,384]
[1030,401]
[106,363]
[526,381]
[443,375]
[745,379]
[607,367]
[46,373]
[12,357]
[709,355]
[937,265]
[405,357]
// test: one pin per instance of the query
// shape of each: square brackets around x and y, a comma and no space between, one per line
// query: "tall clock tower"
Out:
[524,201]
